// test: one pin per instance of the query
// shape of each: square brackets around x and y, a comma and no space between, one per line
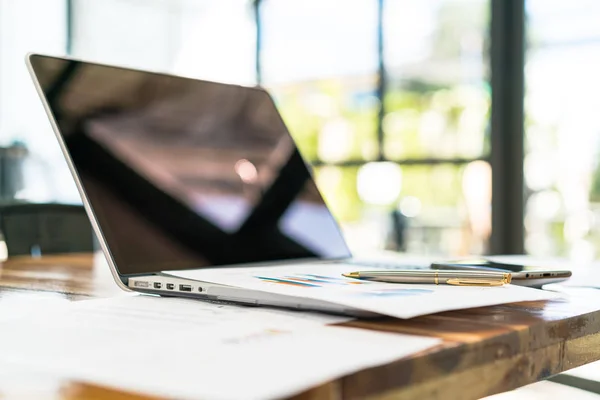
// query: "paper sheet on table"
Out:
[166,314]
[188,349]
[17,305]
[589,371]
[25,382]
[325,282]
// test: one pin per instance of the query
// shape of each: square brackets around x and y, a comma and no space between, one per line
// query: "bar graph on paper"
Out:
[320,281]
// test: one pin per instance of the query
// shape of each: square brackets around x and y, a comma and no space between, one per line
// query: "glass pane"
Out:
[331,120]
[200,38]
[313,39]
[562,170]
[33,168]
[216,41]
[437,210]
[438,100]
[319,59]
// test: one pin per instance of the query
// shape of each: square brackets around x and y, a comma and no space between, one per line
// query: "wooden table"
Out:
[484,351]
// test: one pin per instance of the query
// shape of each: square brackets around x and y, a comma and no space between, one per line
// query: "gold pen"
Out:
[437,277]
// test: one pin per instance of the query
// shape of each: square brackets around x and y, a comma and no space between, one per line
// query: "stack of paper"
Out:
[325,282]
[197,349]
[192,349]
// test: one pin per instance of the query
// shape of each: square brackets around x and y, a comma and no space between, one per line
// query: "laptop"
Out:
[179,174]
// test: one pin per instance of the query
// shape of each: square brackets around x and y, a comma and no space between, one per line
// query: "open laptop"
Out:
[178,174]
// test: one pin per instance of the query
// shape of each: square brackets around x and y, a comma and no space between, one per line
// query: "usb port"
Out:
[185,288]
[157,285]
[170,286]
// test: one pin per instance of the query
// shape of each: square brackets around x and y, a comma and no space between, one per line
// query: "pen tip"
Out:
[352,275]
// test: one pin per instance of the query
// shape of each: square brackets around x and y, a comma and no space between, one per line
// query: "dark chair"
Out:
[39,229]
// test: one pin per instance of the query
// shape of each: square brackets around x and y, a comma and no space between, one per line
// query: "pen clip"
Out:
[473,282]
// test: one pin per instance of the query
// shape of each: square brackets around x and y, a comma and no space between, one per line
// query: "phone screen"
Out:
[480,264]
[524,275]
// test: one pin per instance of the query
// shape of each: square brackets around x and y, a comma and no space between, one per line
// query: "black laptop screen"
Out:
[182,173]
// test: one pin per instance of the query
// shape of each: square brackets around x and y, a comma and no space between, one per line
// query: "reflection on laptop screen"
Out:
[183,173]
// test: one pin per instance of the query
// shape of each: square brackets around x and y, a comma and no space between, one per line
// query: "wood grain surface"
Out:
[484,350]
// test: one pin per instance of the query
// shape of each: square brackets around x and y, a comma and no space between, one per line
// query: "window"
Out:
[562,141]
[389,100]
[406,176]
[22,117]
[437,107]
[199,38]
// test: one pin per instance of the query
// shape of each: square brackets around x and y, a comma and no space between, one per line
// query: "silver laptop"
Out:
[183,174]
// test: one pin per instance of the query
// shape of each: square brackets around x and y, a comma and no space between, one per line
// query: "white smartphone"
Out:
[522,275]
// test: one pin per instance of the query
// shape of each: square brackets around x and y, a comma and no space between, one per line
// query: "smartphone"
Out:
[522,275]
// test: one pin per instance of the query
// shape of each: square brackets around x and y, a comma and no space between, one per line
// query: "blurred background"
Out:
[391,101]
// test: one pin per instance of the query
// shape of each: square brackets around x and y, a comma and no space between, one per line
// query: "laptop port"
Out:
[185,288]
[199,289]
[170,286]
[157,285]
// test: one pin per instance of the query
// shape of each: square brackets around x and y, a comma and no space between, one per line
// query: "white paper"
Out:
[166,347]
[325,282]
[17,305]
[167,314]
[25,382]
[589,371]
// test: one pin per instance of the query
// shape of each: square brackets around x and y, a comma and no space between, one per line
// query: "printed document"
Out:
[180,348]
[325,282]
